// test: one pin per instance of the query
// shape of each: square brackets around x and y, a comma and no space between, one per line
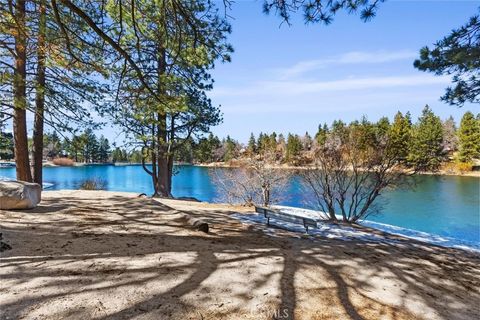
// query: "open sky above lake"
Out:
[291,78]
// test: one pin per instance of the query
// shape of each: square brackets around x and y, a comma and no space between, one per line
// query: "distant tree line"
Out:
[85,147]
[423,145]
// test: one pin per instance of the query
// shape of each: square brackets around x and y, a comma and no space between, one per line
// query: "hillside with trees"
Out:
[427,144]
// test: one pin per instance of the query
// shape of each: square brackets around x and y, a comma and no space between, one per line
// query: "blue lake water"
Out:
[446,206]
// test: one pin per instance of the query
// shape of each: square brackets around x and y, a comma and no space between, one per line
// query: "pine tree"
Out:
[206,149]
[252,145]
[117,155]
[399,135]
[339,132]
[450,138]
[230,149]
[469,136]
[161,55]
[103,149]
[381,128]
[294,146]
[456,55]
[6,145]
[272,143]
[91,146]
[56,69]
[363,132]
[321,136]
[262,143]
[426,150]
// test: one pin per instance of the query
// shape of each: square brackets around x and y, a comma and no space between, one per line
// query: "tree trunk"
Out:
[40,96]
[163,182]
[170,173]
[20,97]
[154,164]
[171,153]
[163,172]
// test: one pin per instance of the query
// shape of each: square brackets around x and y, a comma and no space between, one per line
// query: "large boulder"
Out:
[19,195]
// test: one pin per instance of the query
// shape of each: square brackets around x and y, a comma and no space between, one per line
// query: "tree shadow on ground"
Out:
[119,257]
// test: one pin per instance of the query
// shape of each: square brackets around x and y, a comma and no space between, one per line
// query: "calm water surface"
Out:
[441,205]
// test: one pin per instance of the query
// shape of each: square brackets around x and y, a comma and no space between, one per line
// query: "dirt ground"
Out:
[105,255]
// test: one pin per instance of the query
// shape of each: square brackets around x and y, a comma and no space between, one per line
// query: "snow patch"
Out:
[345,232]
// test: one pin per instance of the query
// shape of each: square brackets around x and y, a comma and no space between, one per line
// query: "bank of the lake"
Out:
[443,171]
[447,206]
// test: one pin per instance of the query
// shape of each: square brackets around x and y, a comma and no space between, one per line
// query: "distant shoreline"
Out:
[289,167]
[441,172]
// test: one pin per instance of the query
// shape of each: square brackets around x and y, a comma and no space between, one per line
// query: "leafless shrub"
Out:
[254,183]
[63,162]
[93,184]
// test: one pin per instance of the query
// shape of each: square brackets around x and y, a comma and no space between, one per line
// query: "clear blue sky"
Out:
[285,78]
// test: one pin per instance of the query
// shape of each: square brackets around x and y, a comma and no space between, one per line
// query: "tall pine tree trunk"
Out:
[163,188]
[170,152]
[20,96]
[40,96]
[163,183]
[154,164]
[163,178]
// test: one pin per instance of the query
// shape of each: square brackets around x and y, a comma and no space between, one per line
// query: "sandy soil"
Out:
[103,255]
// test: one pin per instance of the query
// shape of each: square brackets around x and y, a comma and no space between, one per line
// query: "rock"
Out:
[19,195]
[198,224]
[201,226]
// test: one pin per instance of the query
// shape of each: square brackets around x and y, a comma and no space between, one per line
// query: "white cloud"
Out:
[291,88]
[355,57]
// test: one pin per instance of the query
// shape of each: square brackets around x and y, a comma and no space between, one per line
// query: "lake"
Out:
[447,206]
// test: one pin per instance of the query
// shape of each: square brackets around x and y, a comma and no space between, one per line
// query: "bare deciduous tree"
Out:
[254,183]
[350,175]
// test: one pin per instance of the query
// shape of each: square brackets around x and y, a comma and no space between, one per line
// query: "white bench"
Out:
[269,213]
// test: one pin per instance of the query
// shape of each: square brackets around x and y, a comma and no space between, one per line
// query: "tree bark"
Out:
[40,96]
[163,172]
[163,188]
[170,153]
[20,97]
[163,182]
